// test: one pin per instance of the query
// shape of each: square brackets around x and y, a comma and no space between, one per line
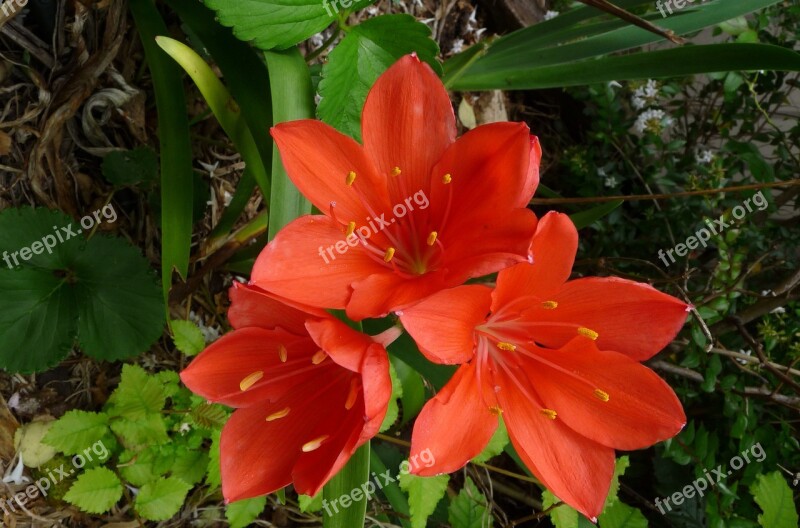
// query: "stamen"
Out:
[319,357]
[278,415]
[351,177]
[396,171]
[447,178]
[586,332]
[352,396]
[601,395]
[502,345]
[250,380]
[550,413]
[314,444]
[351,227]
[496,410]
[549,305]
[389,255]
[432,238]
[283,354]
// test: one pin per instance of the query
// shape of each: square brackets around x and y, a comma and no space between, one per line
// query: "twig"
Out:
[627,16]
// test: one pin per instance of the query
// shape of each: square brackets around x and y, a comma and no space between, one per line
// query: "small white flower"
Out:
[458,45]
[645,95]
[654,120]
[746,353]
[226,198]
[185,428]
[550,15]
[779,310]
[610,181]
[372,10]
[614,84]
[15,476]
[317,40]
[704,156]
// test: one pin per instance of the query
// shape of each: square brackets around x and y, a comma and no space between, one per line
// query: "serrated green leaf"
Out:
[190,465]
[424,493]
[620,466]
[187,337]
[170,382]
[397,392]
[134,434]
[138,394]
[145,466]
[470,509]
[562,516]
[131,167]
[774,496]
[76,431]
[278,24]
[310,504]
[496,444]
[357,62]
[213,477]
[160,500]
[95,491]
[620,515]
[242,513]
[209,415]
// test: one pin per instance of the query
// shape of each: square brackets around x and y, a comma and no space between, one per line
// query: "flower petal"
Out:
[532,181]
[606,396]
[407,122]
[455,425]
[252,306]
[346,346]
[553,249]
[443,325]
[384,292]
[576,469]
[630,317]
[377,390]
[307,263]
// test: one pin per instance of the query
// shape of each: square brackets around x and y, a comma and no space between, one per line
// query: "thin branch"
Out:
[627,16]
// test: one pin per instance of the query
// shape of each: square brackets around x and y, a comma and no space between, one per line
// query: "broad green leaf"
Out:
[413,389]
[142,467]
[138,394]
[131,167]
[187,337]
[590,216]
[76,431]
[209,415]
[241,513]
[562,516]
[351,477]
[310,504]
[774,496]
[470,509]
[357,62]
[620,515]
[160,500]
[134,434]
[95,491]
[279,24]
[397,392]
[213,478]
[424,493]
[190,465]
[496,444]
[620,466]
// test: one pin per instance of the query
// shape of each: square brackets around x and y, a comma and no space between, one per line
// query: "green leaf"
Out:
[620,466]
[496,444]
[351,477]
[160,500]
[393,409]
[190,465]
[390,489]
[590,216]
[77,430]
[620,515]
[310,504]
[241,513]
[470,509]
[131,167]
[279,24]
[357,62]
[134,434]
[95,491]
[774,496]
[137,395]
[213,478]
[187,337]
[413,389]
[209,415]
[424,493]
[562,516]
[143,467]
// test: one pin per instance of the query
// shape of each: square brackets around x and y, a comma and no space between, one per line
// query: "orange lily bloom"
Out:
[308,391]
[411,211]
[558,359]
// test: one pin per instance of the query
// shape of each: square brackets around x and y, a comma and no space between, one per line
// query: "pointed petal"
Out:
[633,408]
[454,426]
[576,469]
[553,249]
[252,306]
[377,390]
[407,122]
[630,317]
[385,292]
[318,160]
[345,346]
[532,181]
[298,266]
[244,367]
[443,325]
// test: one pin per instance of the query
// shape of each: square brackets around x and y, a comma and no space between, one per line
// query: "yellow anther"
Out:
[502,345]
[314,444]
[351,177]
[283,354]
[496,410]
[389,255]
[549,305]
[396,171]
[353,395]
[351,227]
[319,357]
[586,332]
[550,413]
[432,238]
[447,178]
[601,395]
[278,415]
[251,380]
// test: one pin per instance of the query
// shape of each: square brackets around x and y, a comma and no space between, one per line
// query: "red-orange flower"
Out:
[410,212]
[558,359]
[308,391]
